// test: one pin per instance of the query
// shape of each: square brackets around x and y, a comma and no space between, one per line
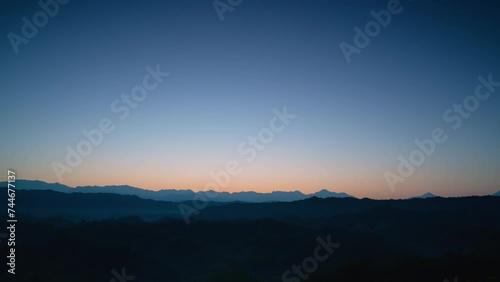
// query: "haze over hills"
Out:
[173,195]
[92,206]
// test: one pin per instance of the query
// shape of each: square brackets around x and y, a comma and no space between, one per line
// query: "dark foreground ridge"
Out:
[83,236]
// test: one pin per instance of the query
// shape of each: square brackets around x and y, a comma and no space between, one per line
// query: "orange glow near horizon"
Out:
[265,176]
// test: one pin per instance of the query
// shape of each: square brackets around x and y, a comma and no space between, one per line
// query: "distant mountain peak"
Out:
[324,193]
[427,195]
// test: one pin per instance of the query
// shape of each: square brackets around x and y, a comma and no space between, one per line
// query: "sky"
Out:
[228,74]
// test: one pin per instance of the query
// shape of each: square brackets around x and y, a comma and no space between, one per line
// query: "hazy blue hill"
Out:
[174,195]
[76,206]
[327,194]
[49,203]
[497,194]
[38,185]
[255,197]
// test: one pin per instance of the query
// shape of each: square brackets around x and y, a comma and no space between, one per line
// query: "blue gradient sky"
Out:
[353,120]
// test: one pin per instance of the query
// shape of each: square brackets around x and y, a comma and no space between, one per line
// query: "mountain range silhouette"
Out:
[173,195]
